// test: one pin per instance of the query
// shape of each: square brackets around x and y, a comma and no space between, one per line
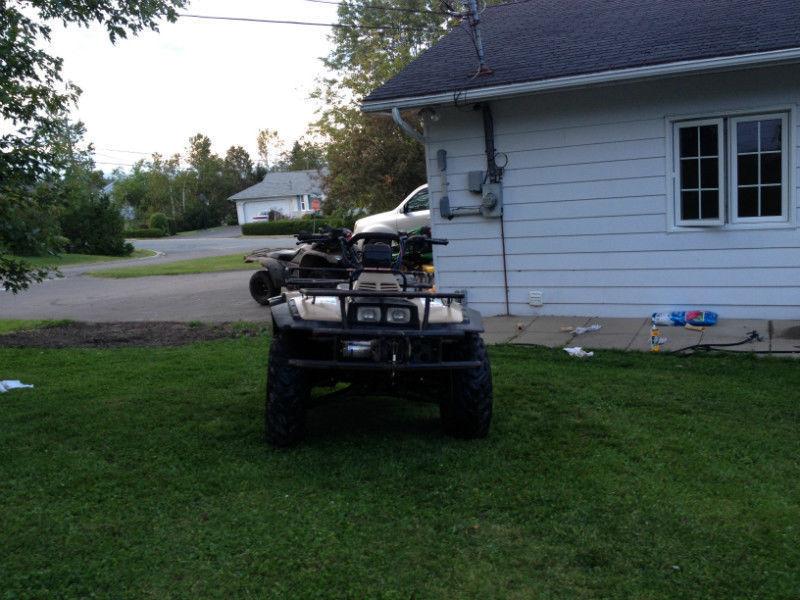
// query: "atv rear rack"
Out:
[343,295]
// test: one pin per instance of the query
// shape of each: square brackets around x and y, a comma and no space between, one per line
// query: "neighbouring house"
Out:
[645,156]
[126,211]
[291,194]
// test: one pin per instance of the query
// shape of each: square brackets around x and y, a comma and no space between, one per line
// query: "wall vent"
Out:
[535,298]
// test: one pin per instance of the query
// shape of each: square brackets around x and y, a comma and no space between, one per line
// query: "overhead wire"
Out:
[421,11]
[304,23]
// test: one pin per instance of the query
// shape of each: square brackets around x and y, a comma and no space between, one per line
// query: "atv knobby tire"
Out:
[287,395]
[262,288]
[466,411]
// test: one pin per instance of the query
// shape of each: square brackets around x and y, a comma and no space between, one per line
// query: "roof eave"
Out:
[721,63]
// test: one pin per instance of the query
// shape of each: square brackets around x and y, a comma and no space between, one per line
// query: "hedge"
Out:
[145,233]
[291,226]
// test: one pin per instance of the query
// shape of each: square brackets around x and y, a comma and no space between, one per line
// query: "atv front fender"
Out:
[276,270]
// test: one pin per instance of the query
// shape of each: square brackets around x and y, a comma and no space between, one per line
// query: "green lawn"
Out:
[9,325]
[197,231]
[68,260]
[142,473]
[211,264]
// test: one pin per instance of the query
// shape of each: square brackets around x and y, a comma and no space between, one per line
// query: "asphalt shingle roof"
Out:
[283,184]
[537,40]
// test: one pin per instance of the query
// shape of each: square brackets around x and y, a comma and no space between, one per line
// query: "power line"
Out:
[116,164]
[310,23]
[125,151]
[422,11]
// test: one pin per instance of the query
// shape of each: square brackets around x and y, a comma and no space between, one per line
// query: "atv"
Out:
[382,333]
[319,257]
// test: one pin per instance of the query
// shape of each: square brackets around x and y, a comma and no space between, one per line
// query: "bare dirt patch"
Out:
[127,334]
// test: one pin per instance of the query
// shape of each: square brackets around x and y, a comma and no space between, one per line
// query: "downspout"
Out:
[406,126]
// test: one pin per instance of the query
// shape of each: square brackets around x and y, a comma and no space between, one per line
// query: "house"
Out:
[291,193]
[126,211]
[645,156]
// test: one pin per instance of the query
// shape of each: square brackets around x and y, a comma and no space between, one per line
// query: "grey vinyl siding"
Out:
[586,195]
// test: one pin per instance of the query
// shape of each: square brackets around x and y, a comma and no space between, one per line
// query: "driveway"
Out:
[204,297]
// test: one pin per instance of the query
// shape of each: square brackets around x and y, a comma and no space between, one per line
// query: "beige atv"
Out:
[383,333]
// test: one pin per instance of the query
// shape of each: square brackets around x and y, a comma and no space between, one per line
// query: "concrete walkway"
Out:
[634,334]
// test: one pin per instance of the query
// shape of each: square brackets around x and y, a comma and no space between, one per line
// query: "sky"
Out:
[225,79]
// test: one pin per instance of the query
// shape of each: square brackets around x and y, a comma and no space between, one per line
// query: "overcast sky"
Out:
[225,79]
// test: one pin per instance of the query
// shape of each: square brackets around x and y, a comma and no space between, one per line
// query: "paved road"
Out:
[203,297]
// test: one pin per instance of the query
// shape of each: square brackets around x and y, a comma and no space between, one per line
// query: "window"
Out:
[758,175]
[418,202]
[743,180]
[302,203]
[700,171]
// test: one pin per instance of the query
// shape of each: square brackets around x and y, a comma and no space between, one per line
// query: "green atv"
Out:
[384,333]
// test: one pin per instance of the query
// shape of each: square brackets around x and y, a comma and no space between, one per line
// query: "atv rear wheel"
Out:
[287,395]
[262,288]
[466,411]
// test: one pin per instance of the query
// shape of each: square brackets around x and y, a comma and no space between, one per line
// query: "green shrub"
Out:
[159,221]
[291,226]
[93,225]
[145,233]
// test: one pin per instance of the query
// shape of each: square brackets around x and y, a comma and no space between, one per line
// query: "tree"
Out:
[372,165]
[269,144]
[35,101]
[303,156]
[238,163]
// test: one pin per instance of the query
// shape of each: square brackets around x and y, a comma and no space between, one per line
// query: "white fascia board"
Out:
[740,61]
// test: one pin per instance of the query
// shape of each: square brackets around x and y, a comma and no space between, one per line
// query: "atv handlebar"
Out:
[413,239]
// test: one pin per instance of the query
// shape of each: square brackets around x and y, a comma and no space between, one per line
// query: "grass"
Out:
[142,473]
[211,264]
[68,260]
[196,231]
[11,325]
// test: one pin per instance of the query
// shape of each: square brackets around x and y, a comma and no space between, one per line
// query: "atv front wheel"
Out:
[287,394]
[262,288]
[466,411]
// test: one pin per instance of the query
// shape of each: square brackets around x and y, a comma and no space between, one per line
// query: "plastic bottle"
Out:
[655,338]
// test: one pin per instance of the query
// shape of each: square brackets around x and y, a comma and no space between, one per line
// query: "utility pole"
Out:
[475,23]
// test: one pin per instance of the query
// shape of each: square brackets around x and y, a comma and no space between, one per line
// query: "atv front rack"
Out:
[446,297]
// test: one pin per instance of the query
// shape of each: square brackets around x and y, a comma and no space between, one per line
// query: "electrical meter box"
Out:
[492,200]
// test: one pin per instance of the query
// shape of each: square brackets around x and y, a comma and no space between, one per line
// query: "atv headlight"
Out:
[368,314]
[399,316]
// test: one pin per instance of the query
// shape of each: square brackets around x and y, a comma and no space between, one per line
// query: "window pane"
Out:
[690,206]
[747,136]
[709,172]
[708,141]
[418,202]
[747,171]
[771,201]
[689,175]
[771,134]
[748,202]
[709,205]
[688,141]
[771,168]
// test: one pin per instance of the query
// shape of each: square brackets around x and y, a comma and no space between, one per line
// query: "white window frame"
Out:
[734,171]
[303,203]
[676,173]
[768,110]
